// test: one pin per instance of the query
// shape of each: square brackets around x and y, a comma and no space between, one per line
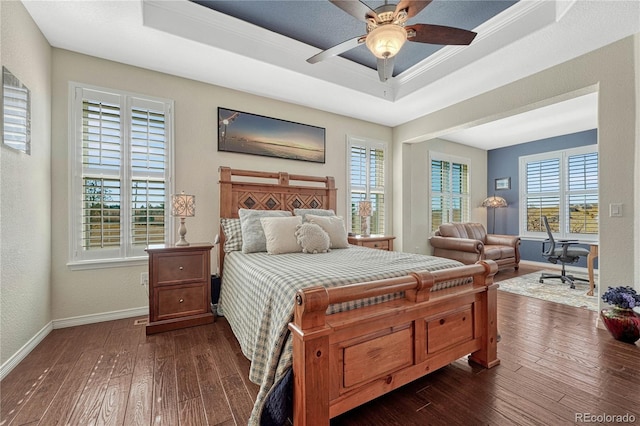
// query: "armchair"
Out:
[562,251]
[469,242]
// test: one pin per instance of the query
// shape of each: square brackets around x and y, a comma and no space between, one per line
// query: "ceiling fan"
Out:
[387,33]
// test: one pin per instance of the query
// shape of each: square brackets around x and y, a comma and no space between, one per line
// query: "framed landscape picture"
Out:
[503,183]
[247,133]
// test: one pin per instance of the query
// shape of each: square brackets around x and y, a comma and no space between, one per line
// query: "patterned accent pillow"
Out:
[253,238]
[280,234]
[334,226]
[232,234]
[317,212]
[312,238]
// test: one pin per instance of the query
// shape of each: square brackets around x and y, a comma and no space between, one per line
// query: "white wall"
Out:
[610,70]
[25,206]
[78,293]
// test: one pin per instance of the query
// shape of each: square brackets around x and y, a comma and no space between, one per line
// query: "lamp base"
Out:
[182,231]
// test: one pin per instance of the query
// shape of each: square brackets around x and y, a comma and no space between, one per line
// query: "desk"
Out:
[593,253]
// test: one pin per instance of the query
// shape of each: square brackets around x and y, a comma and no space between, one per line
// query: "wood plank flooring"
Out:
[555,365]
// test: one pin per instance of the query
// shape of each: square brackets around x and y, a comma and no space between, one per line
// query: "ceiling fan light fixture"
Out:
[386,41]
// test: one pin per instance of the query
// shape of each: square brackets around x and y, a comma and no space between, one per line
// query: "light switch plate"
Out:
[615,210]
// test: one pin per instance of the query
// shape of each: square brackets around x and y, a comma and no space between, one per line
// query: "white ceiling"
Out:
[184,39]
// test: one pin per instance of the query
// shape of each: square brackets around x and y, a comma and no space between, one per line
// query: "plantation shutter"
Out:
[449,192]
[582,193]
[367,182]
[543,194]
[101,172]
[148,164]
[121,174]
[376,190]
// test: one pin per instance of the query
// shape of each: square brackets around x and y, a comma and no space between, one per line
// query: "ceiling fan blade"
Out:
[357,9]
[438,34]
[412,7]
[337,49]
[385,68]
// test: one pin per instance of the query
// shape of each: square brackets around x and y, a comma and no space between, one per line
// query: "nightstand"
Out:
[179,286]
[380,242]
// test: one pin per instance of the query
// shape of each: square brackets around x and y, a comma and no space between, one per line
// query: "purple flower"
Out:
[622,297]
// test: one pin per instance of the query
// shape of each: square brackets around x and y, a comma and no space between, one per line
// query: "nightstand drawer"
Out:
[183,267]
[380,245]
[181,301]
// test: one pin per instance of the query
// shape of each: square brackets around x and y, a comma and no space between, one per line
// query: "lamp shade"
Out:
[183,205]
[364,208]
[494,202]
[385,41]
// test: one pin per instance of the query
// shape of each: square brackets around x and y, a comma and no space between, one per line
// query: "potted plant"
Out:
[621,321]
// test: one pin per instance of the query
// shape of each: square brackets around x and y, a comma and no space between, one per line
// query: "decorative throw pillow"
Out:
[253,239]
[312,238]
[232,234]
[280,235]
[334,226]
[317,212]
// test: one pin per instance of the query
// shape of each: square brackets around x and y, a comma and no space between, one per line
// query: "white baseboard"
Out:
[94,318]
[546,265]
[16,358]
[22,353]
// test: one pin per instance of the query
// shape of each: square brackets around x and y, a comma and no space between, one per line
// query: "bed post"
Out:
[487,356]
[310,358]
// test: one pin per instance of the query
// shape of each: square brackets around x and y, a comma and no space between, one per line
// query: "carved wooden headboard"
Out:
[247,189]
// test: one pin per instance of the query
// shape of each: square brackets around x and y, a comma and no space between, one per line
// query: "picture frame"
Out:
[246,133]
[16,113]
[502,183]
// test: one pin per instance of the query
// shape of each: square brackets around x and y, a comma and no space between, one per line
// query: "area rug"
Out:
[552,290]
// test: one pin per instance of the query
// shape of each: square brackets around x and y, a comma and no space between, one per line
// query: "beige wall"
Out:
[610,70]
[25,206]
[78,293]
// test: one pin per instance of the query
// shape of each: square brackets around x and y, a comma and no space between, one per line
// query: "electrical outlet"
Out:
[144,279]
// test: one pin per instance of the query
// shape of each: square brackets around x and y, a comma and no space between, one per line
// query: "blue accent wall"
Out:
[503,162]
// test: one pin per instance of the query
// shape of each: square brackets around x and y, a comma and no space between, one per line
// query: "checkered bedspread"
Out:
[258,292]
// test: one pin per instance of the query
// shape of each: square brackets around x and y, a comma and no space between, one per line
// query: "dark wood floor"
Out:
[555,364]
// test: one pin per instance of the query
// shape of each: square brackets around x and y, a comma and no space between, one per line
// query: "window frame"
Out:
[438,156]
[369,144]
[126,254]
[563,193]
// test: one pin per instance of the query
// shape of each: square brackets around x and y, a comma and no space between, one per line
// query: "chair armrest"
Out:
[503,240]
[459,244]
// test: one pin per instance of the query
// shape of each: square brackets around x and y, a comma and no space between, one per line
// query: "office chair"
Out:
[561,251]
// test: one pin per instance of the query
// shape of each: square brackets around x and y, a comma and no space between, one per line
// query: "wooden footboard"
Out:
[343,360]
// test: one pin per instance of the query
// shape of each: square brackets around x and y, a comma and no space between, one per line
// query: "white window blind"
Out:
[449,190]
[563,186]
[367,163]
[123,152]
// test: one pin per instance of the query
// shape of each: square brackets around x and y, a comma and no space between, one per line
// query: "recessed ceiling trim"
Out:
[511,25]
[194,22]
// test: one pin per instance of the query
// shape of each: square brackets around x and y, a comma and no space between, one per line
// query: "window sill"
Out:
[84,265]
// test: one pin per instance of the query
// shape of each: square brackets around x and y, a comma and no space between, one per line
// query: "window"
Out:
[367,178]
[449,190]
[122,149]
[562,185]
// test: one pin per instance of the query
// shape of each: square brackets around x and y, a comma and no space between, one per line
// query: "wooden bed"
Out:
[343,360]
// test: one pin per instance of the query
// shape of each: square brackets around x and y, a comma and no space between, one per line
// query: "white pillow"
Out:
[280,234]
[312,238]
[253,239]
[334,226]
[317,212]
